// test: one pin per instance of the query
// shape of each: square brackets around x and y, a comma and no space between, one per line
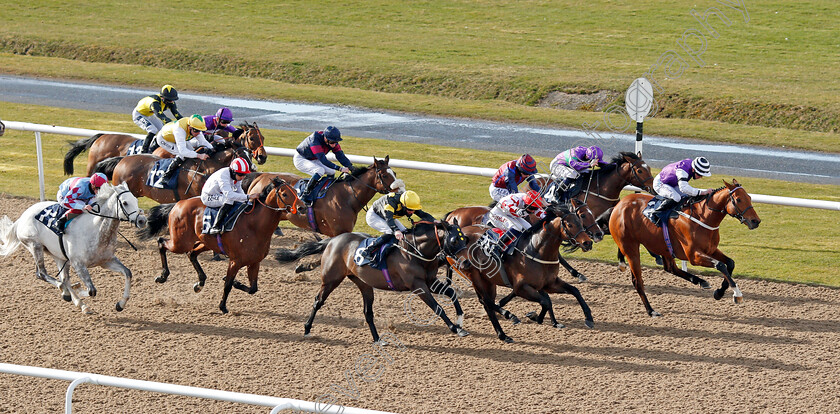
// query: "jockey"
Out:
[512,211]
[220,122]
[511,174]
[672,182]
[149,116]
[383,213]
[567,165]
[78,194]
[181,138]
[223,188]
[311,157]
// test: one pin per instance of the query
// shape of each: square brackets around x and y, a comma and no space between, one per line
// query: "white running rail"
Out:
[416,165]
[77,378]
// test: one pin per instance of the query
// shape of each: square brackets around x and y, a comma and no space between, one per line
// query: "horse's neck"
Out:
[546,245]
[704,210]
[426,244]
[107,227]
[362,190]
[608,185]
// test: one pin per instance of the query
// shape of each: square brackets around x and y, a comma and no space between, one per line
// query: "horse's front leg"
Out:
[422,290]
[440,287]
[580,276]
[500,308]
[560,286]
[117,266]
[68,293]
[84,274]
[726,266]
[163,246]
[253,276]
[528,292]
[233,269]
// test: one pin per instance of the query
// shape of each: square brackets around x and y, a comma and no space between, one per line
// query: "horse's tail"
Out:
[77,148]
[156,221]
[8,236]
[107,166]
[306,249]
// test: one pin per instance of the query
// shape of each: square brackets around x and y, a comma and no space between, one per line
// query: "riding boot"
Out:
[220,219]
[177,163]
[149,138]
[371,250]
[508,241]
[62,223]
[307,192]
[662,209]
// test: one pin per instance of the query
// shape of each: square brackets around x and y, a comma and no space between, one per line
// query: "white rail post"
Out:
[40,155]
[68,396]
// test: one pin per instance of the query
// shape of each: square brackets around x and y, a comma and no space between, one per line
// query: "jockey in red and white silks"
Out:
[512,211]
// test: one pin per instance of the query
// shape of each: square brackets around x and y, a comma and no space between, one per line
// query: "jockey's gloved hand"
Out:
[202,150]
[353,169]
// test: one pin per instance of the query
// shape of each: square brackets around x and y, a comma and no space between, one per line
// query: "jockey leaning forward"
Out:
[507,179]
[311,157]
[149,116]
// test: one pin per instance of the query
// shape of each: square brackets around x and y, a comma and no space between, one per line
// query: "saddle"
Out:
[210,214]
[658,217]
[50,215]
[320,190]
[135,147]
[491,244]
[554,194]
[155,178]
[377,260]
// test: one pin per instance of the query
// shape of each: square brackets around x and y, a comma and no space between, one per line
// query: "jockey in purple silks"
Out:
[77,195]
[672,182]
[220,122]
[506,181]
[567,165]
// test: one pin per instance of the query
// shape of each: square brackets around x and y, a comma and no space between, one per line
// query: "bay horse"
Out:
[694,236]
[338,210]
[532,269]
[412,266]
[103,146]
[474,215]
[134,169]
[89,240]
[246,245]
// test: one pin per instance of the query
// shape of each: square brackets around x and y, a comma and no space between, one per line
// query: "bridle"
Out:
[442,247]
[128,215]
[643,183]
[577,212]
[291,208]
[739,214]
[260,137]
[565,231]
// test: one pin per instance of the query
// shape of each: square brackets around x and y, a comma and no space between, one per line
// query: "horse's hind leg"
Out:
[528,292]
[560,286]
[253,276]
[367,299]
[164,272]
[202,277]
[233,269]
[117,266]
[671,267]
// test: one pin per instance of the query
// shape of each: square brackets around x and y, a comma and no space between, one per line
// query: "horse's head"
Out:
[566,225]
[634,170]
[587,219]
[253,140]
[127,207]
[453,238]
[740,205]
[279,194]
[384,178]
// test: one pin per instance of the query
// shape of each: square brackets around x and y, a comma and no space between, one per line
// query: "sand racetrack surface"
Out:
[778,352]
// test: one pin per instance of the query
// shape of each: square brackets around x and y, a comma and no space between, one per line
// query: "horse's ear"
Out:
[387,157]
[727,184]
[454,222]
[735,182]
[639,154]
[375,161]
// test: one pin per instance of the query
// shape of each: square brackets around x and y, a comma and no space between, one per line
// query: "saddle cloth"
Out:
[378,260]
[657,218]
[318,192]
[135,147]
[50,215]
[210,214]
[554,194]
[155,178]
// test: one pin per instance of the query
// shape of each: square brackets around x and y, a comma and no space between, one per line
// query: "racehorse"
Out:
[531,269]
[89,240]
[246,245]
[413,268]
[134,169]
[102,146]
[694,236]
[474,215]
[338,210]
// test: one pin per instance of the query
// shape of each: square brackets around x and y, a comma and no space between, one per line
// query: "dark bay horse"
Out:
[412,267]
[338,211]
[246,245]
[694,236]
[532,269]
[103,146]
[134,169]
[474,215]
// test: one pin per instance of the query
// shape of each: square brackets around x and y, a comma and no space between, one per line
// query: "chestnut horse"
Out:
[412,268]
[246,245]
[338,211]
[694,235]
[532,269]
[134,169]
[475,215]
[102,146]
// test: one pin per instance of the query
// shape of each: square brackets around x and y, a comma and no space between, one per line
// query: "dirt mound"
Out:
[702,355]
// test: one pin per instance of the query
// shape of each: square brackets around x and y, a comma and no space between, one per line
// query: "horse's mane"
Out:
[552,211]
[611,166]
[421,227]
[105,192]
[269,188]
[356,173]
[245,125]
[696,199]
[619,159]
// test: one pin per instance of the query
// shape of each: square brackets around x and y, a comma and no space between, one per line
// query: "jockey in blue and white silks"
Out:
[672,182]
[507,179]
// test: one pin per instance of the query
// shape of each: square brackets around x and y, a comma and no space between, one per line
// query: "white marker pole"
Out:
[637,101]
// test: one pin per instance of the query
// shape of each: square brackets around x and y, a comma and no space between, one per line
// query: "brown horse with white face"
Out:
[694,235]
[134,169]
[246,245]
[338,210]
[103,146]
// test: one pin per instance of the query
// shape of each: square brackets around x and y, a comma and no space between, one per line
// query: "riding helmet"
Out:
[332,134]
[410,200]
[224,114]
[169,93]
[526,164]
[240,166]
[701,166]
[197,122]
[98,180]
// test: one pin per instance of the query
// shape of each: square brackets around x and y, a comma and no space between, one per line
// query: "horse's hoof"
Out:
[92,292]
[66,297]
[507,339]
[160,279]
[532,316]
[582,278]
[704,284]
[307,335]
[119,307]
[278,232]
[589,324]
[197,287]
[558,325]
[622,267]
[718,294]
[515,320]
[462,333]
[216,258]
[223,309]
[86,310]
[300,268]
[655,314]
[658,260]
[738,299]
